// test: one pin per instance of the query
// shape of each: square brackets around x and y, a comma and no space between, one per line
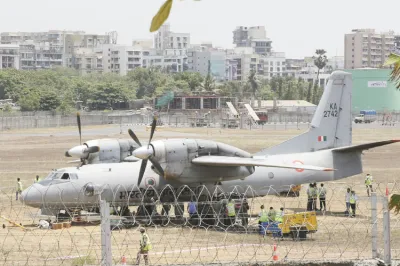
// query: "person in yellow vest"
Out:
[279,216]
[145,247]
[368,183]
[353,202]
[263,215]
[271,215]
[314,195]
[322,197]
[37,179]
[19,188]
[309,197]
[231,212]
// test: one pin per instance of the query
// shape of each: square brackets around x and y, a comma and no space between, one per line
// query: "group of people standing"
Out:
[313,193]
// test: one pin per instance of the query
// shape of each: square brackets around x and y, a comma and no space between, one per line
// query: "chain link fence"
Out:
[217,119]
[208,235]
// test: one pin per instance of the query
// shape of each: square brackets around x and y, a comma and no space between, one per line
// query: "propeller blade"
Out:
[141,172]
[134,137]
[157,166]
[78,118]
[153,128]
[93,149]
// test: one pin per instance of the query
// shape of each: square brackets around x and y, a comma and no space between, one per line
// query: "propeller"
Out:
[82,151]
[146,154]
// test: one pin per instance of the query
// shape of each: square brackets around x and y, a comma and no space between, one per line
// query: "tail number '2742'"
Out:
[332,111]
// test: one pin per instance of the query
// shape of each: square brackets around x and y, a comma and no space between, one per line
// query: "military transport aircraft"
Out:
[324,153]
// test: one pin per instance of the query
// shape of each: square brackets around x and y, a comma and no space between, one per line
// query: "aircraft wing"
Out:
[239,161]
[365,146]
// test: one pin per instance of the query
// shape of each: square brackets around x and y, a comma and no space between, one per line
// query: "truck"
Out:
[366,116]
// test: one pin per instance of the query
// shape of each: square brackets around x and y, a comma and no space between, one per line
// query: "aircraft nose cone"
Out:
[77,151]
[31,196]
[142,153]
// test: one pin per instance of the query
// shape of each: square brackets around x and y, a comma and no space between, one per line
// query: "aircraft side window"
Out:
[73,176]
[65,176]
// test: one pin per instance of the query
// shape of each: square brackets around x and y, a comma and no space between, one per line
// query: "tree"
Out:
[193,79]
[29,100]
[394,62]
[300,89]
[49,100]
[253,83]
[320,61]
[309,92]
[209,82]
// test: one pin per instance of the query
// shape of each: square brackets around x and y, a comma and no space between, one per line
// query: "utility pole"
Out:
[106,255]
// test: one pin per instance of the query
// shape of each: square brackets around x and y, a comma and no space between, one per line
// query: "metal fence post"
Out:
[374,223]
[106,256]
[387,258]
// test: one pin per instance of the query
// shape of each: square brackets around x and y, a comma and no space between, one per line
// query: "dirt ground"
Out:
[26,153]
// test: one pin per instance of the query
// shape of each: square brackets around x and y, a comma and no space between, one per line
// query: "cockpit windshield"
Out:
[61,175]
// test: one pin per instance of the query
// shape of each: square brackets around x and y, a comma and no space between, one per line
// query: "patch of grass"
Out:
[83,261]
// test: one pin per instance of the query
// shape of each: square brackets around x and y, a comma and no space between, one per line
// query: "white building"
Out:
[9,56]
[198,60]
[366,48]
[298,106]
[51,48]
[255,37]
[166,39]
[144,43]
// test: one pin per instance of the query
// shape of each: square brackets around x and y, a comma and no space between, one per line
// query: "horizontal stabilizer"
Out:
[239,161]
[365,146]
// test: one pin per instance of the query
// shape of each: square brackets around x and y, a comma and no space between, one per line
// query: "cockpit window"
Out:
[65,176]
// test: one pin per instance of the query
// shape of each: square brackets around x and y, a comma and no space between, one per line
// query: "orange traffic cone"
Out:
[275,253]
[123,260]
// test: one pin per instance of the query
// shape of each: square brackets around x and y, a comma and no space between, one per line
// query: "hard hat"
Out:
[142,229]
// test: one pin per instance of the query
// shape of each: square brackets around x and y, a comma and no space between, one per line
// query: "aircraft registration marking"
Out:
[298,162]
[332,112]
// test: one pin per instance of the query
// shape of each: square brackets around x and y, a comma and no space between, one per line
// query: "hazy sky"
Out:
[295,27]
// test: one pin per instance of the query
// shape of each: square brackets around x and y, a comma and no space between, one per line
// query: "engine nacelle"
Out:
[111,150]
[176,155]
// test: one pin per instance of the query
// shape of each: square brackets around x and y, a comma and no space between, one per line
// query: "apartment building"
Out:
[367,48]
[198,60]
[166,39]
[397,43]
[51,48]
[255,37]
[9,56]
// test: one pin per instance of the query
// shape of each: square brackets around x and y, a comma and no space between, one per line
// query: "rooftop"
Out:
[287,103]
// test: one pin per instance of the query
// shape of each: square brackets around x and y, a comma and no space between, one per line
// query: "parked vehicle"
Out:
[366,116]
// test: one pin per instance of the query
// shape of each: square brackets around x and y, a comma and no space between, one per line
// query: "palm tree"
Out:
[253,83]
[394,59]
[320,61]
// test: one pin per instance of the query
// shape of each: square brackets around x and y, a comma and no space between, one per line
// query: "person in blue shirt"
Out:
[192,208]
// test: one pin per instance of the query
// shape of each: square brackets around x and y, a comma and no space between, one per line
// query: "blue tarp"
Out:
[368,112]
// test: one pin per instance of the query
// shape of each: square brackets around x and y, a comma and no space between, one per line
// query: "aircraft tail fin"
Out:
[331,125]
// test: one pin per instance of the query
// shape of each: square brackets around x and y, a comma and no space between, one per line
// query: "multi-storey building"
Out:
[199,58]
[9,56]
[366,48]
[255,37]
[52,48]
[166,39]
[397,43]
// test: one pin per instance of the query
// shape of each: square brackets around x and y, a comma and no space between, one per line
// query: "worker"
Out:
[322,197]
[165,209]
[353,201]
[271,215]
[263,216]
[314,195]
[368,183]
[145,246]
[279,216]
[37,179]
[244,211]
[192,208]
[348,193]
[309,197]
[230,207]
[19,188]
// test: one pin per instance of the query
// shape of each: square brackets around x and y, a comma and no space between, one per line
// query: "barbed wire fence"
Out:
[106,235]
